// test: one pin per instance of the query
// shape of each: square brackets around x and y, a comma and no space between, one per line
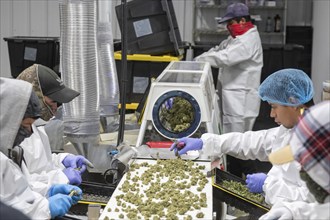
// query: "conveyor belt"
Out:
[110,213]
[93,193]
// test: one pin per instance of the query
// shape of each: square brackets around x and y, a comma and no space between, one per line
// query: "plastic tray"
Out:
[101,192]
[233,199]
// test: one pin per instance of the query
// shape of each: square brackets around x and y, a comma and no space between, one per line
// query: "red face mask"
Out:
[239,29]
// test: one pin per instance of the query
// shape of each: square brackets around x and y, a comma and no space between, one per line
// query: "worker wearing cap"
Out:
[44,167]
[19,109]
[288,91]
[49,87]
[310,146]
[240,60]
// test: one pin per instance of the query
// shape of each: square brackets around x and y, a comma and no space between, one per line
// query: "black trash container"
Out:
[26,51]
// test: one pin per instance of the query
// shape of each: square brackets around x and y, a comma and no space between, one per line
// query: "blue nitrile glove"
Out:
[76,162]
[278,213]
[73,175]
[66,189]
[254,182]
[59,204]
[189,144]
[169,103]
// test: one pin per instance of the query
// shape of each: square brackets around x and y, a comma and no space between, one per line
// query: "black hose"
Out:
[124,73]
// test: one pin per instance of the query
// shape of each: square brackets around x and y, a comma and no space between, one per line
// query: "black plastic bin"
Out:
[141,68]
[152,27]
[26,51]
[255,209]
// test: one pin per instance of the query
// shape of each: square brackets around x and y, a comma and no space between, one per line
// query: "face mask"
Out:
[21,135]
[46,112]
[239,29]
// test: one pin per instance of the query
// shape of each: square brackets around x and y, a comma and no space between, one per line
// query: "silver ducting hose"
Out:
[109,88]
[78,52]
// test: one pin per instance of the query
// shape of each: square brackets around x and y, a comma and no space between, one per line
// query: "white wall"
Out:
[299,13]
[321,46]
[26,18]
[40,18]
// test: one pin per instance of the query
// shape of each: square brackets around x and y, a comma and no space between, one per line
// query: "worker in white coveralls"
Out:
[288,91]
[19,109]
[310,146]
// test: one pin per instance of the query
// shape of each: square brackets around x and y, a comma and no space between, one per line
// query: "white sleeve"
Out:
[248,145]
[57,160]
[283,183]
[41,182]
[15,191]
[305,210]
[230,55]
[312,211]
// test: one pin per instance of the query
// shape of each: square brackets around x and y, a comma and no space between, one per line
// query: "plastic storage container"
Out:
[26,51]
[141,68]
[255,209]
[152,27]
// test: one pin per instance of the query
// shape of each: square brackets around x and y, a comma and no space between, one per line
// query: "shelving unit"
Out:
[206,28]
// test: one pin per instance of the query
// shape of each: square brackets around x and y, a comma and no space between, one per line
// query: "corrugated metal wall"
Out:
[40,18]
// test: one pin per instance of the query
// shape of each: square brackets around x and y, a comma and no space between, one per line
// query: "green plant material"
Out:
[242,190]
[200,215]
[166,190]
[188,217]
[74,193]
[179,117]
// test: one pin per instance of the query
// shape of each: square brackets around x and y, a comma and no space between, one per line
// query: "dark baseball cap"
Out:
[53,87]
[235,10]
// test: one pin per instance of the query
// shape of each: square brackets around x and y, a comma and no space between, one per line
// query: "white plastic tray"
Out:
[112,204]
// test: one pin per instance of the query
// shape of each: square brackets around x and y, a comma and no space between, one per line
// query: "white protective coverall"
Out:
[14,187]
[304,210]
[240,61]
[283,182]
[43,168]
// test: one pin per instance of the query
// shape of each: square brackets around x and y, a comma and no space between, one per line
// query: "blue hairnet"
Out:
[289,87]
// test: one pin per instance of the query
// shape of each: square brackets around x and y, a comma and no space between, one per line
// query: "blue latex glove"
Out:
[79,162]
[254,182]
[59,204]
[279,213]
[189,144]
[169,103]
[73,175]
[66,189]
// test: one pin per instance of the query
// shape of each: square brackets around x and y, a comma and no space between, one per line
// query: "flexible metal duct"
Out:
[78,19]
[109,89]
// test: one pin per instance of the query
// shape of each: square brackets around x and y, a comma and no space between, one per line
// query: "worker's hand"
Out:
[279,213]
[254,182]
[59,204]
[73,175]
[66,189]
[189,144]
[169,103]
[78,162]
